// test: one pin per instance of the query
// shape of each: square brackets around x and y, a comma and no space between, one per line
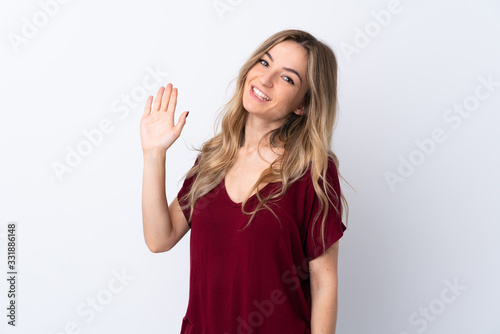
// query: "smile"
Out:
[260,94]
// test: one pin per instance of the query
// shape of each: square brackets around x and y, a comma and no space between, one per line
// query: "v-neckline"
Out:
[248,200]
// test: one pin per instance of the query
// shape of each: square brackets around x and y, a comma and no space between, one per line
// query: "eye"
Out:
[289,80]
[263,62]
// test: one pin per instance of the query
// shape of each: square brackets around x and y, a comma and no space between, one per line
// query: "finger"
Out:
[182,120]
[172,103]
[147,109]
[157,104]
[166,97]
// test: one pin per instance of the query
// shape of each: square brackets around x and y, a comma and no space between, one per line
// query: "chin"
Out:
[246,102]
[245,106]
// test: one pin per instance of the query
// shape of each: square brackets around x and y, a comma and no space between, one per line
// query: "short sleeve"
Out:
[334,227]
[186,186]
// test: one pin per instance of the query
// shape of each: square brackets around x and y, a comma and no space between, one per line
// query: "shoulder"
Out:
[332,187]
[331,172]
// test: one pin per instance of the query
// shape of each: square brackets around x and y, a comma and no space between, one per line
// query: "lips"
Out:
[259,94]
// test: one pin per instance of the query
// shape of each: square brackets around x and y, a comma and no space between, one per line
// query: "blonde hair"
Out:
[306,139]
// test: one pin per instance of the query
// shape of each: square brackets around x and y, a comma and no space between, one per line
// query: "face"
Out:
[276,85]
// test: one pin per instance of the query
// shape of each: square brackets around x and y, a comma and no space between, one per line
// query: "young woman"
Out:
[262,200]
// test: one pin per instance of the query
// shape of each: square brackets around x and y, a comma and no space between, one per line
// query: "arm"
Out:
[324,287]
[163,226]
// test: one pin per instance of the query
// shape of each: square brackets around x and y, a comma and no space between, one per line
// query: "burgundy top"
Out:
[257,280]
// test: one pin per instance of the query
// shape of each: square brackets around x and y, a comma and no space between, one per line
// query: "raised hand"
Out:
[158,131]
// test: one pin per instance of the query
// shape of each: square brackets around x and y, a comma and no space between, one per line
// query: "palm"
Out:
[158,131]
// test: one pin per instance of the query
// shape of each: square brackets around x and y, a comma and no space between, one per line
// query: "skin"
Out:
[277,74]
[324,291]
[283,87]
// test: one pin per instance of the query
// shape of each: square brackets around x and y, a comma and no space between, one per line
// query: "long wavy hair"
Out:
[305,139]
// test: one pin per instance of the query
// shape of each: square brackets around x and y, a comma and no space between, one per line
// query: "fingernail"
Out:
[187,114]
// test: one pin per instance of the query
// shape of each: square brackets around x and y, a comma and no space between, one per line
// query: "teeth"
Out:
[261,95]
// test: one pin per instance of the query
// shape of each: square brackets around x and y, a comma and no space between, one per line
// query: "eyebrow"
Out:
[286,68]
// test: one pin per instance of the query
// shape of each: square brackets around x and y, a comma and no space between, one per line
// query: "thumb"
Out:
[182,119]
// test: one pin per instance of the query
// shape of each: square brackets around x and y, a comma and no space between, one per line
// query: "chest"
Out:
[218,226]
[240,179]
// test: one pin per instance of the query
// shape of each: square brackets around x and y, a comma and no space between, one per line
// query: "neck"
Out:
[256,134]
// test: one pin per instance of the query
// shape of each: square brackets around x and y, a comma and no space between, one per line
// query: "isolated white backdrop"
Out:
[420,254]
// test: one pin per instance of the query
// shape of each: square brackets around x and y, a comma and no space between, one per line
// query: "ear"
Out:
[300,110]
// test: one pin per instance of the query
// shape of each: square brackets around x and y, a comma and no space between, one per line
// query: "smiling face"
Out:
[276,85]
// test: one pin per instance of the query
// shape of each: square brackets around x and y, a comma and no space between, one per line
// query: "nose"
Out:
[266,79]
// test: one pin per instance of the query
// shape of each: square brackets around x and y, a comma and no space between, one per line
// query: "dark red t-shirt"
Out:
[257,280]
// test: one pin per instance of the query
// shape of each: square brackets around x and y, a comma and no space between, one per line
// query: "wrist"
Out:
[154,154]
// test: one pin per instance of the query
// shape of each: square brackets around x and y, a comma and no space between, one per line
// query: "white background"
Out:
[404,245]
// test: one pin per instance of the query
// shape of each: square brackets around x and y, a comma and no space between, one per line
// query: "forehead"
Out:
[290,54]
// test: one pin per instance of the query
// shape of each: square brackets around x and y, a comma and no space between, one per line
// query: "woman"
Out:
[265,226]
